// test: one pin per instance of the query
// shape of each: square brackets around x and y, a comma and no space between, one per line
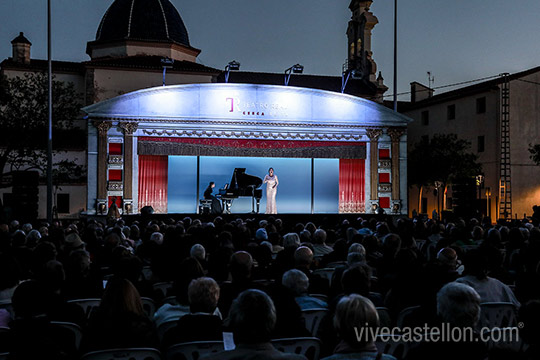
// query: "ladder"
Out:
[505,189]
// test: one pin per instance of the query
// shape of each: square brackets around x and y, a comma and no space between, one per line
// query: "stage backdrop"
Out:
[337,184]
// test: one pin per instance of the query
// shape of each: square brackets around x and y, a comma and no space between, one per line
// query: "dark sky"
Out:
[455,40]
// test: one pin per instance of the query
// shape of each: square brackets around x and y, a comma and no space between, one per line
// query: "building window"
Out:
[62,203]
[425,118]
[451,112]
[481,105]
[481,144]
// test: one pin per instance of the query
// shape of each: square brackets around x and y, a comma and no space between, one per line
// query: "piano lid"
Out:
[241,180]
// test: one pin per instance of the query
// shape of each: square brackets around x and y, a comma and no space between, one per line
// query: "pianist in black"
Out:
[216,204]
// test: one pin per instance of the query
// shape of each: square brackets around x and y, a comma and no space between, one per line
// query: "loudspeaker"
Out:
[25,195]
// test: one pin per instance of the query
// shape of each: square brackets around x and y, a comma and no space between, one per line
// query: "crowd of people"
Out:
[254,278]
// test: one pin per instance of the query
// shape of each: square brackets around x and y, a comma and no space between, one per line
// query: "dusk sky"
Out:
[455,40]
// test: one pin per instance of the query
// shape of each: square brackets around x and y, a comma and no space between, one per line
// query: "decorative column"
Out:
[373,135]
[395,135]
[101,202]
[129,128]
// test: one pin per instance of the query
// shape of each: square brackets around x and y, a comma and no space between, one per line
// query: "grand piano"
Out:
[241,185]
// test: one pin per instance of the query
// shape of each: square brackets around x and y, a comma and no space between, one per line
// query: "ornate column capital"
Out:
[102,126]
[374,133]
[128,128]
[395,133]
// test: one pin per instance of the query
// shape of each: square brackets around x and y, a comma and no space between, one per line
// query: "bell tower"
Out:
[359,54]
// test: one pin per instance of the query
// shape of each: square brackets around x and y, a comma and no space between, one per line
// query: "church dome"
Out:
[148,20]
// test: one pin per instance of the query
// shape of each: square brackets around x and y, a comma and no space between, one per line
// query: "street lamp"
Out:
[479,182]
[167,63]
[50,109]
[232,66]
[438,185]
[295,69]
[346,74]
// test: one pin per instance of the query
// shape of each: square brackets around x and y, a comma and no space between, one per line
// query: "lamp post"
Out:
[232,66]
[166,63]
[438,185]
[49,132]
[295,69]
[395,55]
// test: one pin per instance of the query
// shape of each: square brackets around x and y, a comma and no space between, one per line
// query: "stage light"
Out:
[295,69]
[166,63]
[346,75]
[232,66]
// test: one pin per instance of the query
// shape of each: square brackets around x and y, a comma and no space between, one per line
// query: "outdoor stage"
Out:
[160,147]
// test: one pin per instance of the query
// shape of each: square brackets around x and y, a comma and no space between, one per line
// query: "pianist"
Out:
[216,205]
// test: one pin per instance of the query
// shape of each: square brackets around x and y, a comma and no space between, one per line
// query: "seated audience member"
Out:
[298,283]
[319,244]
[285,258]
[476,276]
[303,258]
[119,321]
[353,311]
[33,335]
[240,267]
[9,276]
[82,279]
[201,324]
[252,320]
[188,270]
[198,252]
[458,305]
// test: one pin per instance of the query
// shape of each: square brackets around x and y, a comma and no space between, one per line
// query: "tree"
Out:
[24,119]
[443,158]
[535,153]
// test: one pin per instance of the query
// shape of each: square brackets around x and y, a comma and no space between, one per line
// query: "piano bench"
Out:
[205,206]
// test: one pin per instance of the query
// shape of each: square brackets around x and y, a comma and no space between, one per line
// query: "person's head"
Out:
[303,257]
[271,171]
[296,281]
[261,235]
[353,311]
[291,240]
[203,295]
[476,263]
[120,297]
[391,245]
[359,248]
[458,305]
[355,258]
[212,184]
[30,300]
[319,236]
[157,237]
[241,265]
[357,279]
[252,317]
[447,257]
[198,252]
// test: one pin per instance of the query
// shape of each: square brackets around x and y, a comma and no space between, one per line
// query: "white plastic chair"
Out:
[312,319]
[310,347]
[404,314]
[392,345]
[497,315]
[73,328]
[124,354]
[148,306]
[163,287]
[326,273]
[193,350]
[87,305]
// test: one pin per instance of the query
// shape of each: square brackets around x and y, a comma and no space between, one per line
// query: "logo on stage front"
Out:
[256,109]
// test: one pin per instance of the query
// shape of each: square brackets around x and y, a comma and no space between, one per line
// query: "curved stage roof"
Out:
[229,108]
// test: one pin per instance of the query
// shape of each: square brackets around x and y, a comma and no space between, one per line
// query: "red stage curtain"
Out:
[153,181]
[351,185]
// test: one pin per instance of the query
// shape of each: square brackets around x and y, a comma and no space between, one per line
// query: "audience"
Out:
[209,264]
